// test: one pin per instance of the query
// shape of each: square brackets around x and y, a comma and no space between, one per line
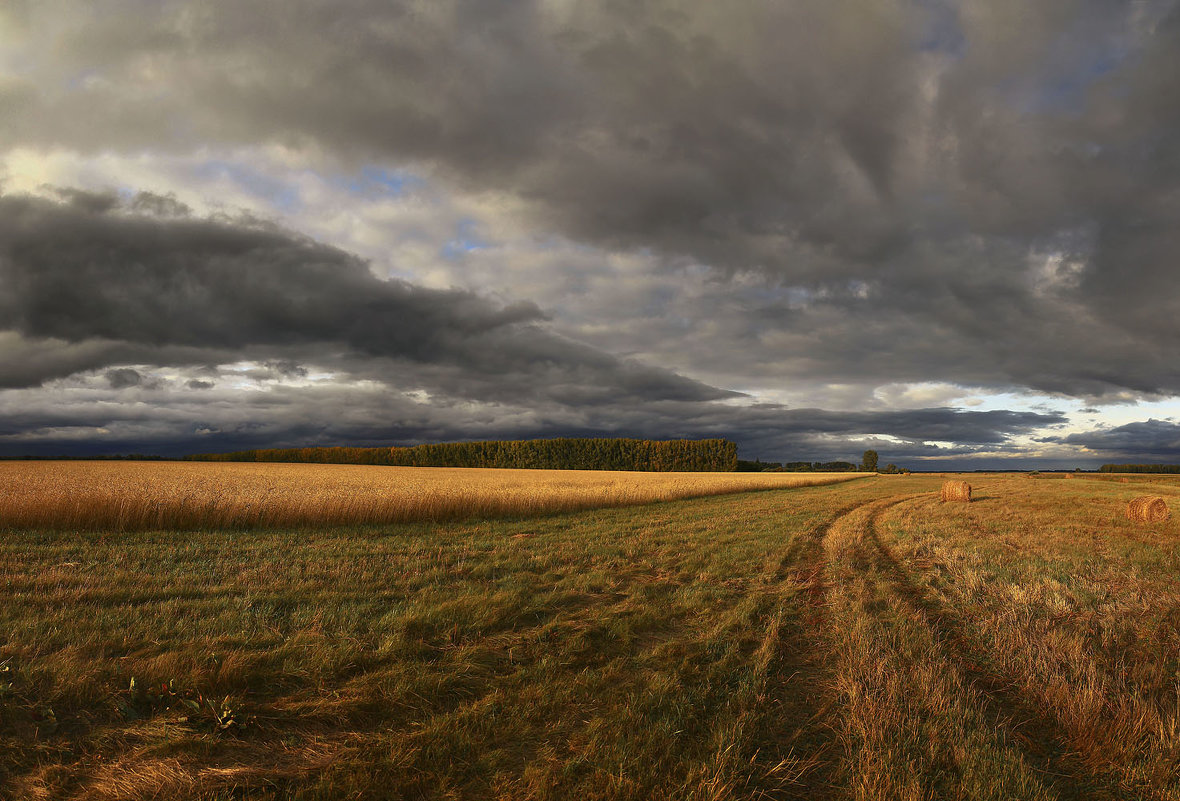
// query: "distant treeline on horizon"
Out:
[758,466]
[677,455]
[1139,468]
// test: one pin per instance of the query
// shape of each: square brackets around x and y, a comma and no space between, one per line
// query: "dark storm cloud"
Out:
[94,283]
[100,294]
[917,425]
[159,205]
[774,432]
[1151,440]
[75,273]
[123,377]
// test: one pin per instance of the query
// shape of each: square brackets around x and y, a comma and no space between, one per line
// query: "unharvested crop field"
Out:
[850,641]
[122,496]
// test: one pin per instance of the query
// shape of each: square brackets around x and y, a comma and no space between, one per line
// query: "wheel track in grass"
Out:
[1018,718]
[800,688]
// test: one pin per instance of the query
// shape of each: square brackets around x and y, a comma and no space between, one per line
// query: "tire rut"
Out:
[803,681]
[1019,719]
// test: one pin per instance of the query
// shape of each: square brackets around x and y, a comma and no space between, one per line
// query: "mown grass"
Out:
[628,653]
[852,641]
[1063,615]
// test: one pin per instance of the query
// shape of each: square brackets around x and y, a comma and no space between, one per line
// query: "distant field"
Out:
[854,641]
[136,496]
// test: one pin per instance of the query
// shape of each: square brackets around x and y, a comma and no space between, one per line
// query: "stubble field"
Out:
[860,640]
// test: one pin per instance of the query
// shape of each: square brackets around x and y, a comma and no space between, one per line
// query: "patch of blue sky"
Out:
[775,297]
[1070,70]
[658,300]
[282,196]
[1064,86]
[1080,415]
[79,80]
[799,297]
[1019,401]
[466,239]
[1166,409]
[373,181]
[978,399]
[942,32]
[1067,92]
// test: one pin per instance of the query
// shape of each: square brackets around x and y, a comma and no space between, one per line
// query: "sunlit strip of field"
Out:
[136,496]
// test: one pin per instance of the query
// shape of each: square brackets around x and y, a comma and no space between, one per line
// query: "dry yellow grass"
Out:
[1053,612]
[130,496]
[857,642]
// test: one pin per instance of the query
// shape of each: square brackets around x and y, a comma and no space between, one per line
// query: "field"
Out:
[119,496]
[850,641]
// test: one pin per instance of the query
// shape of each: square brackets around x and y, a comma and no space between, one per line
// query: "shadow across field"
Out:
[1021,720]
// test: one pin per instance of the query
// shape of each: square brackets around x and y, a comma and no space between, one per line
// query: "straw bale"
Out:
[1148,509]
[956,491]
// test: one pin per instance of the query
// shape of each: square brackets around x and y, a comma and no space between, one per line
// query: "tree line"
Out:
[868,464]
[565,453]
[758,466]
[1139,468]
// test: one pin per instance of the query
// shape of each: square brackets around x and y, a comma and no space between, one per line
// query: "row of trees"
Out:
[566,453]
[868,464]
[1139,468]
[759,466]
[819,467]
[554,454]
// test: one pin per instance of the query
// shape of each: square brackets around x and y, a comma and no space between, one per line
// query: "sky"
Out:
[945,231]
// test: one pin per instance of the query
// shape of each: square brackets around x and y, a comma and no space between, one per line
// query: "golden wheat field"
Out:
[136,496]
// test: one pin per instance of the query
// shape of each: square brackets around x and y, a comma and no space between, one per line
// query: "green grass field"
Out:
[859,640]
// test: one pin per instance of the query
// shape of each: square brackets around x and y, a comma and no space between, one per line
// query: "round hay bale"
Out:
[1124,480]
[956,491]
[1148,509]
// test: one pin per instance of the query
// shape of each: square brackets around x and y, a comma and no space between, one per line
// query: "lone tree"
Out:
[869,463]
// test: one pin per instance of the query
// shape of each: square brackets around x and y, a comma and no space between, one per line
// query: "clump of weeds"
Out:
[190,707]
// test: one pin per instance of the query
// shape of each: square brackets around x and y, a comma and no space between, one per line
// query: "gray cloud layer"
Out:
[119,322]
[97,284]
[104,419]
[1148,441]
[981,191]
